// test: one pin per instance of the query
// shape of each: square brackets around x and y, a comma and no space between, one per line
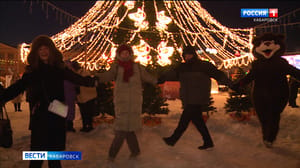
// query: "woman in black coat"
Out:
[44,78]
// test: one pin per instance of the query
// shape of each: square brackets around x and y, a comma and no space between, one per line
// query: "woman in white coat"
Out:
[128,99]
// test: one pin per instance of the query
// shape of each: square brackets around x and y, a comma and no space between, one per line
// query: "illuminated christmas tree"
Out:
[157,31]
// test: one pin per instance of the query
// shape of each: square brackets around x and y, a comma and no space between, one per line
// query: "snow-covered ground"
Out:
[237,144]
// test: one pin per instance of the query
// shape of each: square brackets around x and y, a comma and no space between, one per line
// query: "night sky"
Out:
[19,25]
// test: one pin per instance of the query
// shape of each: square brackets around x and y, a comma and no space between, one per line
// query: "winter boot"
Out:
[135,155]
[70,126]
[16,107]
[295,106]
[169,141]
[268,144]
[206,146]
[87,128]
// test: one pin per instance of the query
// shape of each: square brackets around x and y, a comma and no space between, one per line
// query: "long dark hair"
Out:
[55,57]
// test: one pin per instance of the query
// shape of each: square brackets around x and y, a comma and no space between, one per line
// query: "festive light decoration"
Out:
[139,18]
[164,54]
[8,61]
[141,52]
[163,21]
[89,40]
[211,50]
[129,4]
[238,61]
[24,51]
[237,53]
[161,17]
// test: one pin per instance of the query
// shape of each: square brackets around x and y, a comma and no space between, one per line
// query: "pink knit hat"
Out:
[124,47]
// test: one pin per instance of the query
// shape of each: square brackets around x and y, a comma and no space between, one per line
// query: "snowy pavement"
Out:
[237,144]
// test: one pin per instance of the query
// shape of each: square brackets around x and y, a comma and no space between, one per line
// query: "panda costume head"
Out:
[268,46]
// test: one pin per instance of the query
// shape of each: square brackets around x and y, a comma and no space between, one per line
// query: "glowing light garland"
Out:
[89,40]
[139,18]
[142,52]
[24,51]
[163,21]
[164,54]
[129,4]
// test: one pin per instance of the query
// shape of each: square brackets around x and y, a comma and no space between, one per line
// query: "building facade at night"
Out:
[10,61]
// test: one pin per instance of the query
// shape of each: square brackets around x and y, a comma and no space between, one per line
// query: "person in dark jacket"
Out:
[86,101]
[70,98]
[270,90]
[294,85]
[195,87]
[45,78]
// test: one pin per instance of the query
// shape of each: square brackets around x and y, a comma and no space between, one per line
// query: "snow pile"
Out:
[237,144]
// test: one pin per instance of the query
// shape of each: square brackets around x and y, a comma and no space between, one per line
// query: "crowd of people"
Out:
[47,77]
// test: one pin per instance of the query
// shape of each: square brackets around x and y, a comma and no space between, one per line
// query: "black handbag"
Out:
[6,139]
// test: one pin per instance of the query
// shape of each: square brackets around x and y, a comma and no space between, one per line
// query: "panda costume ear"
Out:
[280,38]
[256,41]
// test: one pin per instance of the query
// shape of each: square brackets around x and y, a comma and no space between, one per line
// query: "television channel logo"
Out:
[51,155]
[259,12]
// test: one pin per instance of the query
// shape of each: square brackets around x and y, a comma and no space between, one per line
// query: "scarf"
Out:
[128,69]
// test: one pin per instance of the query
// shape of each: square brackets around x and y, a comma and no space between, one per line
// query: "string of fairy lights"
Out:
[89,41]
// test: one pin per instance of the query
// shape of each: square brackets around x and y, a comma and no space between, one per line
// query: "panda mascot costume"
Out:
[270,90]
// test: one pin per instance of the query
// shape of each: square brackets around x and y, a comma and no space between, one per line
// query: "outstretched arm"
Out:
[15,89]
[110,75]
[78,79]
[293,71]
[146,76]
[218,75]
[170,75]
[242,82]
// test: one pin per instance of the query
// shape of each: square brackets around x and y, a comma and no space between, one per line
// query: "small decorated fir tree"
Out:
[153,102]
[105,99]
[209,108]
[239,101]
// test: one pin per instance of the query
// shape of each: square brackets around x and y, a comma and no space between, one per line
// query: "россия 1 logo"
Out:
[273,12]
[260,14]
